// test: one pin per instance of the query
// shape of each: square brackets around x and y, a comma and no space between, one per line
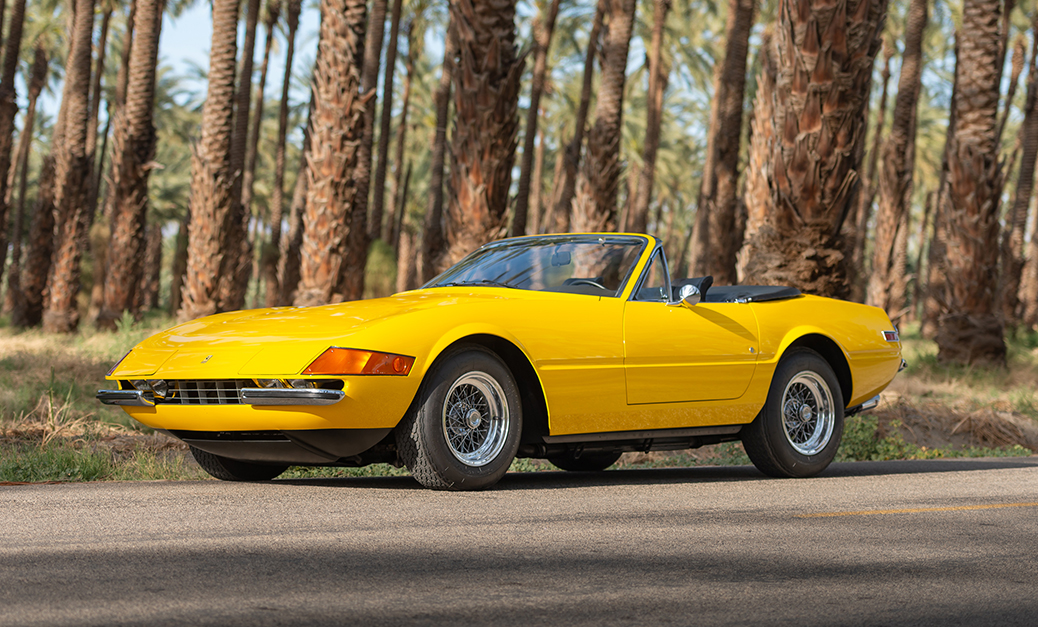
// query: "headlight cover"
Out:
[346,361]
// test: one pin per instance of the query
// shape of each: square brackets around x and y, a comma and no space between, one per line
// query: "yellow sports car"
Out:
[572,348]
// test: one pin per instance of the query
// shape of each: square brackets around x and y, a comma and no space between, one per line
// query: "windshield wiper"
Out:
[480,282]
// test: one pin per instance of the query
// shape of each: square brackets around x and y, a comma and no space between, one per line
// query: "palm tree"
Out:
[486,126]
[1020,297]
[895,173]
[718,241]
[565,189]
[358,241]
[398,204]
[37,79]
[375,227]
[336,129]
[542,31]
[641,195]
[237,248]
[248,177]
[757,198]
[72,168]
[594,206]
[212,202]
[433,236]
[824,61]
[971,325]
[8,109]
[277,199]
[133,149]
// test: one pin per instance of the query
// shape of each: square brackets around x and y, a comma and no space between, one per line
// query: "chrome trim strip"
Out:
[125,397]
[654,434]
[290,396]
[904,364]
[867,405]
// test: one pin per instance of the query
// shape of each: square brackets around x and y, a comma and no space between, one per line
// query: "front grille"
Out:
[206,391]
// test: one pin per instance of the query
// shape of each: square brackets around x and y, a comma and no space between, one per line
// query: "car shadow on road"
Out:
[554,480]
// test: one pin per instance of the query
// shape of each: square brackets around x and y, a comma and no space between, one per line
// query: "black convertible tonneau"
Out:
[749,293]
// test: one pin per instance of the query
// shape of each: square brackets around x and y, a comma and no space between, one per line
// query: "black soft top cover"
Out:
[736,293]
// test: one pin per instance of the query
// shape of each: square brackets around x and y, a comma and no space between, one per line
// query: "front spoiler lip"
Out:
[248,396]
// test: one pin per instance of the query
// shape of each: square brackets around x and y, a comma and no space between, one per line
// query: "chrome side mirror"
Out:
[690,296]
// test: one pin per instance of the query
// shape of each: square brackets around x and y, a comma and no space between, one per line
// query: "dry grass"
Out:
[50,418]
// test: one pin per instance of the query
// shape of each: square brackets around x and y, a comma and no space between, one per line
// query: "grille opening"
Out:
[216,391]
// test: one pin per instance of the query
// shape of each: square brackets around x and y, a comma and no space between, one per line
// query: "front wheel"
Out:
[463,430]
[798,431]
[229,469]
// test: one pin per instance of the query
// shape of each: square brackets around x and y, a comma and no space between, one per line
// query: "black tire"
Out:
[463,429]
[585,462]
[799,440]
[234,470]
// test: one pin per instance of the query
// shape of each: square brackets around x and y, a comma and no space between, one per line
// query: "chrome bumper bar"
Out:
[247,396]
[125,397]
[867,405]
[290,396]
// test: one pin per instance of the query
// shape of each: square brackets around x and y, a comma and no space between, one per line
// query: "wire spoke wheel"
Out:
[808,414]
[475,419]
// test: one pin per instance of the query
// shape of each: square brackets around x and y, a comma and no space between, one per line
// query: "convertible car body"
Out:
[573,348]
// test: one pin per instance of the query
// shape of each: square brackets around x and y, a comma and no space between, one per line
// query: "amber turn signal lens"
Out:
[352,361]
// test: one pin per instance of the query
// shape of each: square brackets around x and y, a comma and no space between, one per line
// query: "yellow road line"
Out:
[916,510]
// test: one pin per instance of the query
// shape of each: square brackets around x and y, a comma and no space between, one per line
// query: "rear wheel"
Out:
[463,430]
[798,431]
[585,462]
[234,470]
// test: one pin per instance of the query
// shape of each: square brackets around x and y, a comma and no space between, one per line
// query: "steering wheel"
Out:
[588,282]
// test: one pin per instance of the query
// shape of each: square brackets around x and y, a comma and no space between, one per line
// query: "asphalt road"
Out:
[896,543]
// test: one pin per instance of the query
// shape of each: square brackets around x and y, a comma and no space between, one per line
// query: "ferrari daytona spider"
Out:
[570,348]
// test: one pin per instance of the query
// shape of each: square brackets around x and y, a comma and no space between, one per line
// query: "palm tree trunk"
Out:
[757,195]
[917,288]
[147,293]
[212,210]
[277,200]
[37,80]
[536,208]
[179,267]
[563,202]
[542,31]
[824,68]
[95,91]
[895,173]
[133,149]
[249,176]
[73,168]
[719,197]
[397,207]
[401,201]
[336,131]
[237,248]
[8,110]
[375,227]
[124,67]
[357,237]
[594,205]
[486,100]
[867,191]
[433,236]
[971,327]
[1020,304]
[637,219]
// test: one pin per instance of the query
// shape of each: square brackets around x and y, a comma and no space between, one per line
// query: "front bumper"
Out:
[246,396]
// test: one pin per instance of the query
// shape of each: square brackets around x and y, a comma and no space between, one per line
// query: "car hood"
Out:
[286,339]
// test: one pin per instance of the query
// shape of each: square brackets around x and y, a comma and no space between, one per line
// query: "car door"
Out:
[674,353]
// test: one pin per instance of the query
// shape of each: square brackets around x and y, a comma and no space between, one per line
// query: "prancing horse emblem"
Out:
[207,358]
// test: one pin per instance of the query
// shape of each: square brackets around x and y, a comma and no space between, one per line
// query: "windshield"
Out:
[577,264]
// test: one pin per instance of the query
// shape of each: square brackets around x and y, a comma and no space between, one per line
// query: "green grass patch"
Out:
[862,441]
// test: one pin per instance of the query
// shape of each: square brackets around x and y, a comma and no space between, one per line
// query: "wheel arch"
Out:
[531,390]
[832,354]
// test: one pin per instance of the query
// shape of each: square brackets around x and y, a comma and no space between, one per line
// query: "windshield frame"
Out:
[647,245]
